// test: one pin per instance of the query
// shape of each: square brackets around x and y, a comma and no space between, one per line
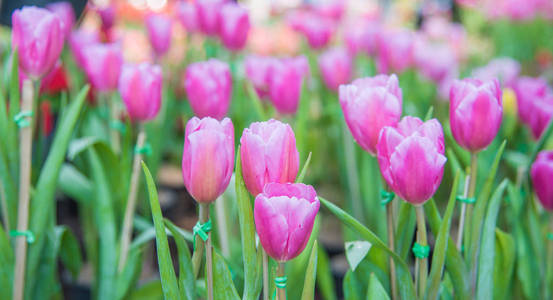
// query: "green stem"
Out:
[421,240]
[204,212]
[280,273]
[390,225]
[462,217]
[265,275]
[472,188]
[549,267]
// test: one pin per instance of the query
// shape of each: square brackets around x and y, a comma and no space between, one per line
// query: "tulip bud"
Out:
[258,72]
[208,15]
[268,154]
[287,77]
[541,173]
[284,215]
[208,157]
[159,33]
[369,104]
[395,50]
[208,85]
[140,89]
[336,67]
[79,40]
[475,112]
[188,17]
[38,38]
[411,158]
[64,11]
[102,64]
[234,26]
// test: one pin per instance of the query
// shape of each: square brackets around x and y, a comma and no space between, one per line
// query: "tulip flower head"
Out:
[64,11]
[317,29]
[208,157]
[268,154]
[362,36]
[102,64]
[159,29]
[368,105]
[79,40]
[208,86]
[475,112]
[208,15]
[187,15]
[258,70]
[284,215]
[541,174]
[336,67]
[395,50]
[234,26]
[528,91]
[287,77]
[140,88]
[411,158]
[38,39]
[503,68]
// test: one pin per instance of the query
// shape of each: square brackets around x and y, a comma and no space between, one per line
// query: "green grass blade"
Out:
[187,282]
[301,176]
[308,292]
[352,290]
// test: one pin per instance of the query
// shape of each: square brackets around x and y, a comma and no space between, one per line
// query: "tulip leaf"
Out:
[405,229]
[376,290]
[166,271]
[484,287]
[187,282]
[454,262]
[9,190]
[256,102]
[43,201]
[12,138]
[504,264]
[351,286]
[127,278]
[429,113]
[440,248]
[325,282]
[301,176]
[481,206]
[75,185]
[356,252]
[252,271]
[6,263]
[223,287]
[308,292]
[406,287]
[148,291]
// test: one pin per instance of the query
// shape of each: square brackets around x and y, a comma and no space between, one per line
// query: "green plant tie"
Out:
[466,200]
[201,230]
[386,197]
[27,233]
[21,118]
[421,251]
[550,236]
[280,282]
[146,149]
[118,125]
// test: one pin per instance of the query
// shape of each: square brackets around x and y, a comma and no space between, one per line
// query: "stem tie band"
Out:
[466,200]
[21,118]
[201,230]
[27,233]
[280,282]
[421,251]
[386,197]
[146,149]
[550,236]
[118,125]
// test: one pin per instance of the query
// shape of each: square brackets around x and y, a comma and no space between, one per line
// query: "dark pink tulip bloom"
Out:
[395,50]
[336,67]
[187,15]
[234,26]
[79,40]
[528,91]
[361,36]
[258,70]
[102,65]
[208,15]
[64,11]
[287,76]
[316,29]
[140,88]
[541,173]
[159,29]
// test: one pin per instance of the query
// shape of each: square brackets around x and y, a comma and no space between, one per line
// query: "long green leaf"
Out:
[69,250]
[127,279]
[308,292]
[484,287]
[301,176]
[74,184]
[149,291]
[352,290]
[12,138]
[440,248]
[223,287]
[325,282]
[6,263]
[405,229]
[406,287]
[43,201]
[504,264]
[187,282]
[376,290]
[166,270]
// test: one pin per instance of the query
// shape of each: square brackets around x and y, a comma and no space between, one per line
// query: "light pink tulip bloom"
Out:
[140,88]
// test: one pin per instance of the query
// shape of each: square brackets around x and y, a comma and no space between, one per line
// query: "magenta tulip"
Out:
[528,91]
[208,85]
[541,173]
[258,70]
[362,36]
[333,9]
[475,112]
[284,215]
[107,16]
[435,61]
[268,154]
[208,15]
[336,67]
[503,68]
[287,77]
[208,157]
[542,113]
[411,158]
[187,15]
[316,29]
[140,89]
[79,40]
[102,64]
[234,26]
[159,29]
[38,39]
[368,105]
[395,50]
[64,11]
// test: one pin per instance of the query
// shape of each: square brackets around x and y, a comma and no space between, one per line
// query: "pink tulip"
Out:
[336,67]
[369,104]
[333,9]
[435,61]
[395,50]
[38,39]
[361,36]
[107,16]
[102,64]
[208,15]
[411,158]
[503,68]
[541,173]
[208,157]
[268,154]
[188,17]
[475,112]
[79,40]
[234,26]
[284,215]
[140,89]
[317,29]
[64,11]
[541,112]
[159,29]
[258,70]
[287,77]
[208,85]
[528,91]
